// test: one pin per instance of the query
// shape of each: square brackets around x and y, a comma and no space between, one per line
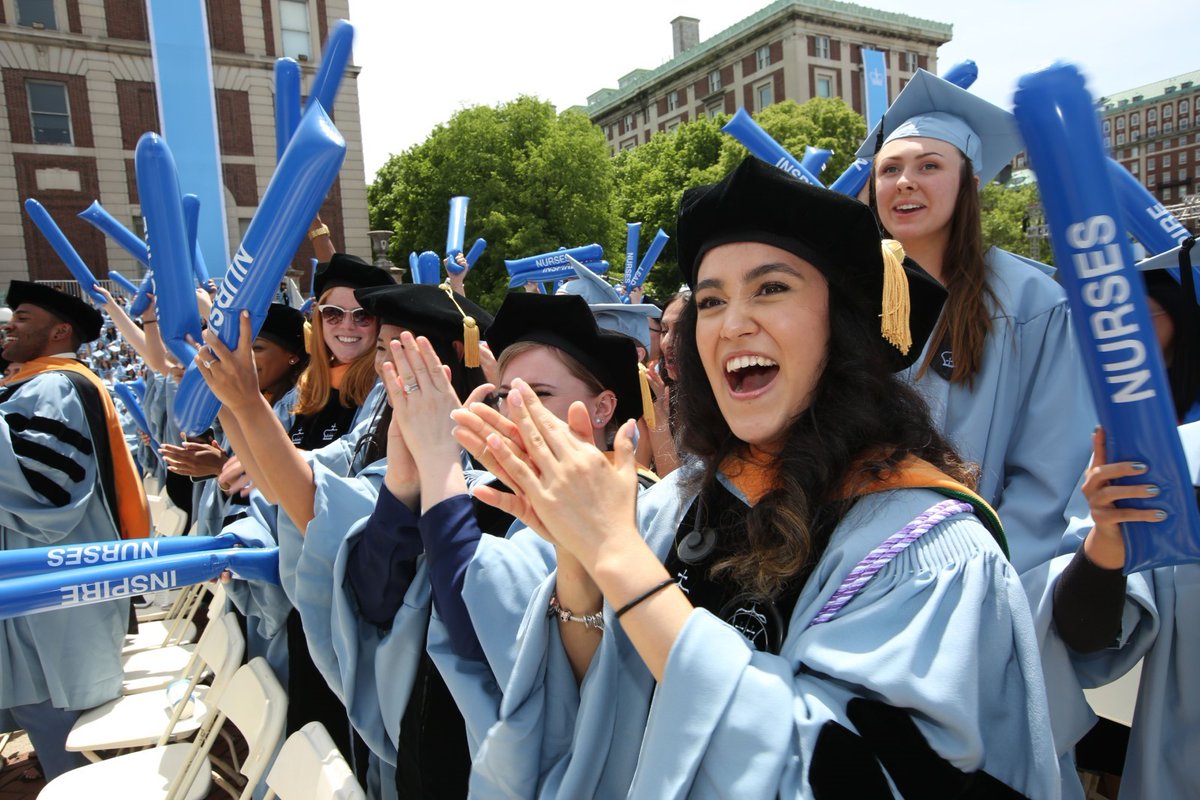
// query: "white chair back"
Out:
[309,767]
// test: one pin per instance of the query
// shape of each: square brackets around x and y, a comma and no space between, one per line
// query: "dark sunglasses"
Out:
[333,315]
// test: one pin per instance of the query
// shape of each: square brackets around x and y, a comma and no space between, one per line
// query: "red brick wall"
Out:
[269,27]
[233,122]
[323,30]
[44,263]
[856,98]
[126,19]
[225,25]
[131,182]
[778,88]
[727,76]
[776,52]
[730,103]
[74,25]
[18,104]
[242,183]
[138,110]
[331,215]
[749,65]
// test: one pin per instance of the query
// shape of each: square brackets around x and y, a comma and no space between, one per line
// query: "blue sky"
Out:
[423,60]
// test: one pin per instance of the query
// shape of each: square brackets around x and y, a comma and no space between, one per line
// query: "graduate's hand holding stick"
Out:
[1105,545]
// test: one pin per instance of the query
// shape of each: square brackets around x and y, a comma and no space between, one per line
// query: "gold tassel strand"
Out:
[896,306]
[470,331]
[647,397]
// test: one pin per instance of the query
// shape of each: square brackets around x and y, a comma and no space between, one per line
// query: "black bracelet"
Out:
[658,587]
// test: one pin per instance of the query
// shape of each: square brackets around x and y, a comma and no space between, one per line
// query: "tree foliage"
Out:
[823,122]
[1006,213]
[537,180]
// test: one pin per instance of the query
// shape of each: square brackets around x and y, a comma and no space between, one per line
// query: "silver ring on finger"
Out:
[208,364]
[409,388]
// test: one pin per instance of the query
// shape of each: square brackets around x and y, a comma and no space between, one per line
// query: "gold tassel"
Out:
[470,331]
[470,342]
[894,321]
[647,397]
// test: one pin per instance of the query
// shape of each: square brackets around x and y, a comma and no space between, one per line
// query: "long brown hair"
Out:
[966,315]
[317,381]
[861,423]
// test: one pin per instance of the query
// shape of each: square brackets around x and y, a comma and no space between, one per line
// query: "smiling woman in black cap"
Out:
[724,633]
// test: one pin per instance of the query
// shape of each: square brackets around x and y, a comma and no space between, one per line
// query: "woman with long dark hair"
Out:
[1001,373]
[823,564]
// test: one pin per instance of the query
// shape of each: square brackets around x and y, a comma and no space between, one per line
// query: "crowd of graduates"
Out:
[833,520]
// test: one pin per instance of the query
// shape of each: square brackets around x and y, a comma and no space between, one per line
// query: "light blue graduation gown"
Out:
[1027,421]
[50,494]
[943,630]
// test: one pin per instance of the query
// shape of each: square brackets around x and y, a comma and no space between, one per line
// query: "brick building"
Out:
[78,87]
[791,49]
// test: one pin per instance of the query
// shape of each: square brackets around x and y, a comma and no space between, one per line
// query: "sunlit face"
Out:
[556,387]
[383,346]
[762,329]
[34,332]
[916,186]
[656,330]
[669,319]
[272,363]
[346,340]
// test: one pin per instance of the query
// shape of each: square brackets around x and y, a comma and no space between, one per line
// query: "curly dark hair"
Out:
[862,421]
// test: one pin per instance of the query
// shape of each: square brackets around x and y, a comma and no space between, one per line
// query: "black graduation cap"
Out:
[284,326]
[347,270]
[426,310]
[758,202]
[83,318]
[566,322]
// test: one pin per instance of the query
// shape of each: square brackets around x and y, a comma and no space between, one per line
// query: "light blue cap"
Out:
[937,109]
[631,319]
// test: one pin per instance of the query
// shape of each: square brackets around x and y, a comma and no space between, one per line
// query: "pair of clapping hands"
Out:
[563,487]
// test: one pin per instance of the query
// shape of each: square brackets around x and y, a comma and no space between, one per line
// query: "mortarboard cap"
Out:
[631,319]
[347,270]
[82,317]
[431,311]
[931,107]
[562,321]
[837,234]
[285,327]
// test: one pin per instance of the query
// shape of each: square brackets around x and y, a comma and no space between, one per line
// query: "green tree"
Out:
[822,122]
[1006,214]
[537,180]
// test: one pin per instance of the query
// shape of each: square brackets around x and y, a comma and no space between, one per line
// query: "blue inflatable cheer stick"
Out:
[428,269]
[102,583]
[962,74]
[633,232]
[39,560]
[334,58]
[301,180]
[412,265]
[133,405]
[139,388]
[585,253]
[1157,229]
[472,256]
[652,253]
[127,285]
[456,230]
[191,219]
[170,250]
[49,228]
[851,182]
[107,224]
[287,102]
[760,144]
[1109,311]
[815,159]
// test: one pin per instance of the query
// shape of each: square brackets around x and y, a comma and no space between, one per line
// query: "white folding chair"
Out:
[256,705]
[177,626]
[141,720]
[152,669]
[168,603]
[166,519]
[309,767]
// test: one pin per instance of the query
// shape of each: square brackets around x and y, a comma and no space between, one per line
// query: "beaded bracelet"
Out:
[593,621]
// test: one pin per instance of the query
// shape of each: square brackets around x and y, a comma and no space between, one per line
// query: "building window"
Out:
[1133,168]
[1151,163]
[49,112]
[714,81]
[824,85]
[1166,111]
[672,125]
[1182,174]
[1120,123]
[764,93]
[672,100]
[1166,193]
[821,46]
[1152,130]
[1183,107]
[36,14]
[1183,157]
[1166,161]
[1183,123]
[910,62]
[1108,142]
[1120,139]
[293,25]
[629,122]
[1135,118]
[1167,128]
[1151,179]
[715,110]
[762,57]
[1107,126]
[1135,136]
[1152,115]
[629,143]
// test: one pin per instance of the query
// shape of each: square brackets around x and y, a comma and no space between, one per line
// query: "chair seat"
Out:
[150,669]
[135,720]
[151,634]
[144,775]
